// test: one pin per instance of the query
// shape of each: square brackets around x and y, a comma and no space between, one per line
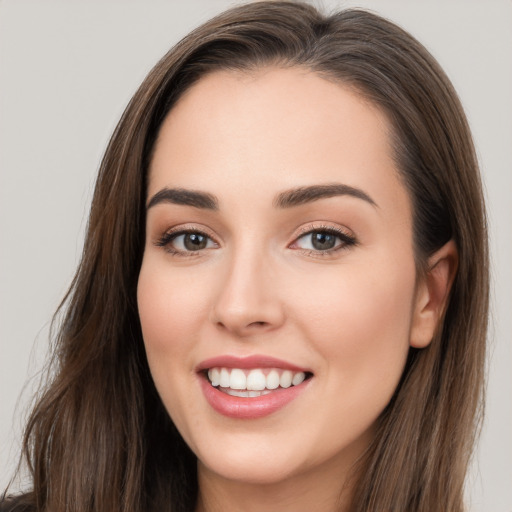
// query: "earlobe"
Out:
[432,294]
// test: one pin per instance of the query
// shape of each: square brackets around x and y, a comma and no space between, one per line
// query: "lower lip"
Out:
[249,408]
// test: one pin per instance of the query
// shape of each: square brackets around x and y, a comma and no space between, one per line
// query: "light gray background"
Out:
[68,68]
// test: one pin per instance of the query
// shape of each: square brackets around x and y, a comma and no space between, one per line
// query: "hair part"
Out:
[100,439]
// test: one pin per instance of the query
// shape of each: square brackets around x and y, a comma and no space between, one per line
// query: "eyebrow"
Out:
[185,197]
[287,199]
[303,195]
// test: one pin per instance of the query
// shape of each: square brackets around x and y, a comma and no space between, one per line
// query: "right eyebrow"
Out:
[184,197]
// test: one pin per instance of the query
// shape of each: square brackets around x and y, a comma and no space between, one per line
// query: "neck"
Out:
[323,490]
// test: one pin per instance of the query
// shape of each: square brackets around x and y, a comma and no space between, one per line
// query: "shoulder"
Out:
[22,503]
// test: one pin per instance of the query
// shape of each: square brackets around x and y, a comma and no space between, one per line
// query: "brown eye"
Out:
[194,241]
[186,242]
[324,240]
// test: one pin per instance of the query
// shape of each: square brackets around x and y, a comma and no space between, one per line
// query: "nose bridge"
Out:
[247,301]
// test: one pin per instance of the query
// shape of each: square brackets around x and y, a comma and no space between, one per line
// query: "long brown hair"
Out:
[99,437]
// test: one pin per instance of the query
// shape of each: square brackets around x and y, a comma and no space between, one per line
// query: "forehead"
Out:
[274,129]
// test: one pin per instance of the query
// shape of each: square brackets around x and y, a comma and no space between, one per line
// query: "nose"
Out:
[248,302]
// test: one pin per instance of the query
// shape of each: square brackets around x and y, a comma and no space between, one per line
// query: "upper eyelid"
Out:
[167,238]
[344,234]
[164,239]
[298,232]
[185,228]
[311,228]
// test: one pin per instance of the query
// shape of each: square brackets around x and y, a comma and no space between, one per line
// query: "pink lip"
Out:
[249,408]
[254,361]
[242,407]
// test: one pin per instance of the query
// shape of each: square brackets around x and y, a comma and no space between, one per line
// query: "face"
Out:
[277,289]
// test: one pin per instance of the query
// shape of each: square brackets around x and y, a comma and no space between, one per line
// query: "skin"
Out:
[259,287]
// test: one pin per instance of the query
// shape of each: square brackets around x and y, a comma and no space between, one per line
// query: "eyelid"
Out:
[190,228]
[347,237]
[163,240]
[323,226]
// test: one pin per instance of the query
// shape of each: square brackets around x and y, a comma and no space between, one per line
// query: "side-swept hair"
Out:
[99,438]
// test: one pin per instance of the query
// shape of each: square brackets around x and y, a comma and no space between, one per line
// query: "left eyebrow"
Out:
[303,195]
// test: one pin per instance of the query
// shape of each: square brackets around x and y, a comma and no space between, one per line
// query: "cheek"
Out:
[169,305]
[361,322]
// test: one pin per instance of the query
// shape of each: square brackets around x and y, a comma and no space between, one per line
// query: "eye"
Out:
[185,242]
[324,240]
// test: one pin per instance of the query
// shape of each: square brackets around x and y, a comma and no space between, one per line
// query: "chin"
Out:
[260,458]
[252,470]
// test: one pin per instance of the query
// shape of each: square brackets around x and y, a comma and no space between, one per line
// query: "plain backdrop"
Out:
[67,70]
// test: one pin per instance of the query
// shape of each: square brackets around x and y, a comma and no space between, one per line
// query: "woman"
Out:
[282,301]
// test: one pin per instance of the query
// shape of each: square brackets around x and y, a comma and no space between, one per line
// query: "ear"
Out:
[432,294]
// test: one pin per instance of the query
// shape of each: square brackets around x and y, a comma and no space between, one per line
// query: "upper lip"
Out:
[247,362]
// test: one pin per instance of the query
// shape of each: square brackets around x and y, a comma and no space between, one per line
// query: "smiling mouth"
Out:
[252,383]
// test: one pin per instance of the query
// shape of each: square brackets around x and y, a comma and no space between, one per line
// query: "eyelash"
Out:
[166,239]
[346,241]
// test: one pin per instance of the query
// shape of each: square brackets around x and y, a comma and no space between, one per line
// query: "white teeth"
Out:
[224,378]
[286,379]
[251,383]
[272,380]
[256,380]
[246,394]
[214,376]
[298,378]
[237,380]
